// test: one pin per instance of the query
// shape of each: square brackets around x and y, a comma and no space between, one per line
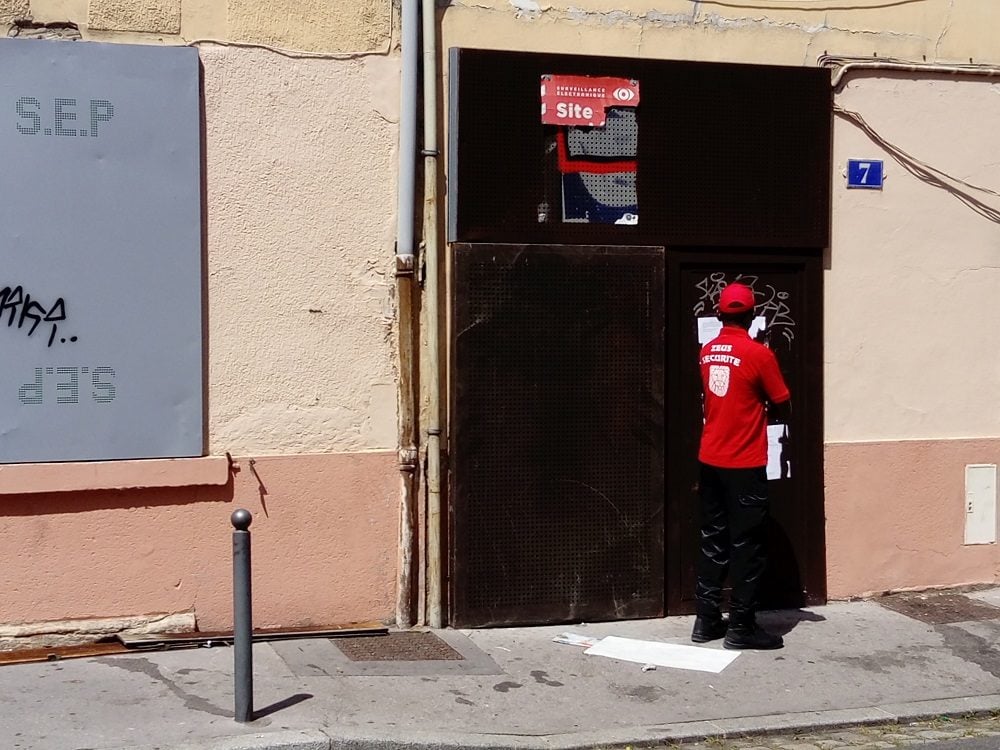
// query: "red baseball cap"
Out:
[736,298]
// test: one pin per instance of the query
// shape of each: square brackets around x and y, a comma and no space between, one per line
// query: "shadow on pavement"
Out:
[260,713]
[784,621]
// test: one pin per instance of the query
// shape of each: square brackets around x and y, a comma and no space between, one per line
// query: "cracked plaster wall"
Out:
[749,31]
[735,31]
[310,25]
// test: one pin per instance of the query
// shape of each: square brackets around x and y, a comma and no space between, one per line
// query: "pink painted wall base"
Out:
[325,534]
[895,516]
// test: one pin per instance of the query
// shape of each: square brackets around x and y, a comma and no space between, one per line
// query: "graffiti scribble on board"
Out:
[771,302]
[22,308]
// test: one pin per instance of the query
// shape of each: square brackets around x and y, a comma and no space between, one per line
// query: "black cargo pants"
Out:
[734,512]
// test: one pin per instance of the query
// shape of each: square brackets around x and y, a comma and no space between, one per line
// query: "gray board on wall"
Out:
[100,252]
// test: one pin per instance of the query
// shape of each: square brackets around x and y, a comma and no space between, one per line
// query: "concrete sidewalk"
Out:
[845,663]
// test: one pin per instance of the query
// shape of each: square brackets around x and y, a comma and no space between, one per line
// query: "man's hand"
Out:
[781,413]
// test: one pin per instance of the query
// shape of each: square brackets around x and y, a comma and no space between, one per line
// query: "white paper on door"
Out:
[709,328]
[775,434]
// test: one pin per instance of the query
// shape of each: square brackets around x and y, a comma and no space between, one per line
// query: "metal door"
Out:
[789,297]
[556,444]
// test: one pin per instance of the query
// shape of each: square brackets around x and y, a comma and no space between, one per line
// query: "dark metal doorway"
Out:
[788,291]
[732,175]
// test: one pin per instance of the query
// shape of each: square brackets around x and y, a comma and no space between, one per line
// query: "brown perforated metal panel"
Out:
[557,434]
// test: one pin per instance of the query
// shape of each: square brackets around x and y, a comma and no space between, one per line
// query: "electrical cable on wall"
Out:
[923,171]
[297,54]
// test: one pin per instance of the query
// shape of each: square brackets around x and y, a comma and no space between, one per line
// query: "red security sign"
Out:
[583,100]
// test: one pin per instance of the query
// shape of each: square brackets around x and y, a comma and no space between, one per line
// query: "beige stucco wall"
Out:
[301,161]
[157,16]
[913,272]
[311,25]
[733,31]
[910,370]
[279,138]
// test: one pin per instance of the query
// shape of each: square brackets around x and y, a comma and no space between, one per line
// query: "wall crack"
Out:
[532,10]
[944,29]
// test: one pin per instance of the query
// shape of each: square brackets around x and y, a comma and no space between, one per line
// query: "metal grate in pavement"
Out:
[328,657]
[939,609]
[405,646]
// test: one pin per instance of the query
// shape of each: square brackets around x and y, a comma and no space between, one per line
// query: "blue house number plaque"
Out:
[865,173]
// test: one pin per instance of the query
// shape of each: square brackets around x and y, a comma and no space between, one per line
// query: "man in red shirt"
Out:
[741,382]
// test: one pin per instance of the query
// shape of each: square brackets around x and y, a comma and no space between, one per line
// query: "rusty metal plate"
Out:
[939,609]
[58,653]
[408,646]
[319,657]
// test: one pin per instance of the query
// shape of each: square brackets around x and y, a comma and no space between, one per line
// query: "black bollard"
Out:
[242,617]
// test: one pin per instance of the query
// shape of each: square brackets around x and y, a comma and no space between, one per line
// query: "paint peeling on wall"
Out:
[527,6]
[532,10]
[794,34]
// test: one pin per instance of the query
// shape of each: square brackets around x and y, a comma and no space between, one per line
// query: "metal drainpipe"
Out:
[435,618]
[406,590]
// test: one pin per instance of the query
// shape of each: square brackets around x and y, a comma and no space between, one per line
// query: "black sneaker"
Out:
[752,637]
[708,629]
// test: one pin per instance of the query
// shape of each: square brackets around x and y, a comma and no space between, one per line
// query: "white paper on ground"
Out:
[774,434]
[575,639]
[663,654]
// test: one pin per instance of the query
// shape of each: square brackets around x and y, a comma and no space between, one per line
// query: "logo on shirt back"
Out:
[718,380]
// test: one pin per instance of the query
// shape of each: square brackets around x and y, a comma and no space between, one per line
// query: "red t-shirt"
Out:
[738,376]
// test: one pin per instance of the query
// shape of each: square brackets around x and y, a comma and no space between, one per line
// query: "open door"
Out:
[789,302]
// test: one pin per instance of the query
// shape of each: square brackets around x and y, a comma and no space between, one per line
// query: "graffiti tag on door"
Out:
[771,302]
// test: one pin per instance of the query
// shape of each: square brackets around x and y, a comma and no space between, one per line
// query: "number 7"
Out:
[864,166]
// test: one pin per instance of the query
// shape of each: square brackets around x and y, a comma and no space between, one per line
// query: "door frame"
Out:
[808,402]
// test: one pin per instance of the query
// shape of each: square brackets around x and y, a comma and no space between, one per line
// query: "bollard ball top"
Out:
[241,519]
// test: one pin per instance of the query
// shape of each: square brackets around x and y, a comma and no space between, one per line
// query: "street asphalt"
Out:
[844,664]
